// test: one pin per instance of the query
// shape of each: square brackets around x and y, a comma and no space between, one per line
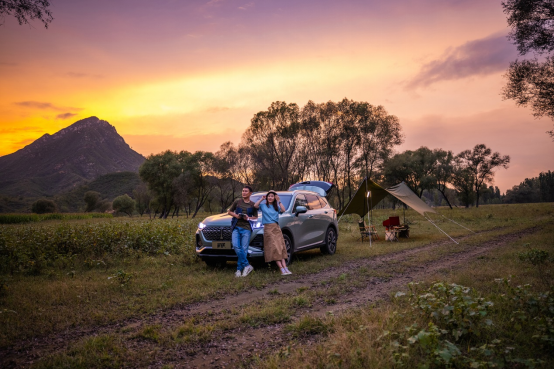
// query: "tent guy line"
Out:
[402,192]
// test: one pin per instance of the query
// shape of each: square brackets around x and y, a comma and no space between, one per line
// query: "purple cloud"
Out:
[43,105]
[82,75]
[474,58]
[66,115]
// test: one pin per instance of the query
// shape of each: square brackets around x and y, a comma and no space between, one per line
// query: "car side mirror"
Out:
[300,209]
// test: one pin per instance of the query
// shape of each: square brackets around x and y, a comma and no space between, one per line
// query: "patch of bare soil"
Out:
[237,346]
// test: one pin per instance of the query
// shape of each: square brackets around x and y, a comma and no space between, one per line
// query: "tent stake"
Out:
[458,224]
[428,219]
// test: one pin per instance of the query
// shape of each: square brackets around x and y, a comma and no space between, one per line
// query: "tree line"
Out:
[533,190]
[340,142]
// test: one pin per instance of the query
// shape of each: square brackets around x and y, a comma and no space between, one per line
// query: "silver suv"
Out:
[309,222]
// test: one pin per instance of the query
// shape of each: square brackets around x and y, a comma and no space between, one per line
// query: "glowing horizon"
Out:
[190,75]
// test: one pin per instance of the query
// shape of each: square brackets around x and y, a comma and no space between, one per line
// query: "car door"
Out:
[316,222]
[298,225]
[328,213]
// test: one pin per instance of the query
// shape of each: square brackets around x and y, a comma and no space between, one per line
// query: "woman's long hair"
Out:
[274,203]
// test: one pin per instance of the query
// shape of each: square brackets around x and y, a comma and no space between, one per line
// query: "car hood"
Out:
[222,219]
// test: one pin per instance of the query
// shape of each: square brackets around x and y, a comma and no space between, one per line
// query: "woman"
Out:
[274,244]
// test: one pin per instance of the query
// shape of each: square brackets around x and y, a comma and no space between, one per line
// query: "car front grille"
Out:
[217,232]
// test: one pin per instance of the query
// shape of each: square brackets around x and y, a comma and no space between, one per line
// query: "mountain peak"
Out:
[82,151]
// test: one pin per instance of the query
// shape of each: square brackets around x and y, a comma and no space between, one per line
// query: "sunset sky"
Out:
[189,75]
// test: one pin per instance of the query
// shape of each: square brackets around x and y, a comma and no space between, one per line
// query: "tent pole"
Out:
[428,219]
[366,203]
[458,224]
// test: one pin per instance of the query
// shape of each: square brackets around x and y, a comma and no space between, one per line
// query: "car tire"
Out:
[330,246]
[290,248]
[216,262]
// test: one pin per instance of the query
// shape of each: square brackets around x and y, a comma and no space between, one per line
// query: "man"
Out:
[243,211]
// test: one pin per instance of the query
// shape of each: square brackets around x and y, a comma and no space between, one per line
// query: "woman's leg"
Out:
[279,264]
[283,264]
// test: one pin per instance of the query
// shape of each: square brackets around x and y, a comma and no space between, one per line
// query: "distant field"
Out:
[20,218]
[122,292]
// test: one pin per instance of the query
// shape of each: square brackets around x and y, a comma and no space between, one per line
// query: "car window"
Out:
[300,201]
[313,202]
[323,202]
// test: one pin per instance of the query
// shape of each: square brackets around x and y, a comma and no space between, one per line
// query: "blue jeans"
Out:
[241,240]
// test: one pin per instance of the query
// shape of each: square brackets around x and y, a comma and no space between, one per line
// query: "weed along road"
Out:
[172,312]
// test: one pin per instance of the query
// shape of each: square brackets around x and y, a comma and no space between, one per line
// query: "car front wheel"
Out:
[290,248]
[330,246]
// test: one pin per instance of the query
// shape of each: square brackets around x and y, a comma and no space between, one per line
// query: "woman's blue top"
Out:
[269,214]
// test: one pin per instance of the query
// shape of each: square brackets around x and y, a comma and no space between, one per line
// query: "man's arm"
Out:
[231,211]
[254,213]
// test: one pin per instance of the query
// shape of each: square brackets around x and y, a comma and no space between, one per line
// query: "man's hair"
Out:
[248,187]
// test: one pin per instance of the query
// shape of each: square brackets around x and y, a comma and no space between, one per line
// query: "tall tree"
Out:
[227,182]
[26,10]
[273,137]
[481,162]
[443,171]
[142,197]
[379,134]
[159,171]
[415,168]
[201,166]
[531,82]
[463,180]
[92,199]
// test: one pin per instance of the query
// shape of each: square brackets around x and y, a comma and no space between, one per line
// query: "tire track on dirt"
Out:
[24,353]
[234,351]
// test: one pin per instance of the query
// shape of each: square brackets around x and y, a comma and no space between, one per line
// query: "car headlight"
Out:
[201,225]
[257,225]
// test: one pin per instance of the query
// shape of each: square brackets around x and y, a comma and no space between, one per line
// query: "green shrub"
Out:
[43,206]
[459,330]
[535,257]
[124,204]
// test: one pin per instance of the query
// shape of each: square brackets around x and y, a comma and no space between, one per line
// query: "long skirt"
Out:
[274,244]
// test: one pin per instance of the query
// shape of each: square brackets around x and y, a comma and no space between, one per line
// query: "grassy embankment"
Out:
[94,287]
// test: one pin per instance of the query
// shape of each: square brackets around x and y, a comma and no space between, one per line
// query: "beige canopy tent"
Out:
[369,194]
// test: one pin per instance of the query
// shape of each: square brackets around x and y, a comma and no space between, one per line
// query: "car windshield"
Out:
[285,199]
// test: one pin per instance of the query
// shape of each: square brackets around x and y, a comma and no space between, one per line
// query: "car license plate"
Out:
[221,245]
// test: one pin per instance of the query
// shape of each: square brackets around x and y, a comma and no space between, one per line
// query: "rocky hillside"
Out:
[81,152]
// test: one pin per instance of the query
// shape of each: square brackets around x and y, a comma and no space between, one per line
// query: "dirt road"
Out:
[235,346]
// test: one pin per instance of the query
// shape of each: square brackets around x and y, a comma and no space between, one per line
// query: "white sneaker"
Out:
[283,271]
[248,269]
[238,274]
[288,271]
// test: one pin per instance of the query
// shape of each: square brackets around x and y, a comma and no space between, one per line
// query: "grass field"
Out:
[95,274]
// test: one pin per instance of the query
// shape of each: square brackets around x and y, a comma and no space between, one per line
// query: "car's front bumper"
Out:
[204,248]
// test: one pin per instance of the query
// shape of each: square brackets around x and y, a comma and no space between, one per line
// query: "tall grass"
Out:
[30,249]
[21,218]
